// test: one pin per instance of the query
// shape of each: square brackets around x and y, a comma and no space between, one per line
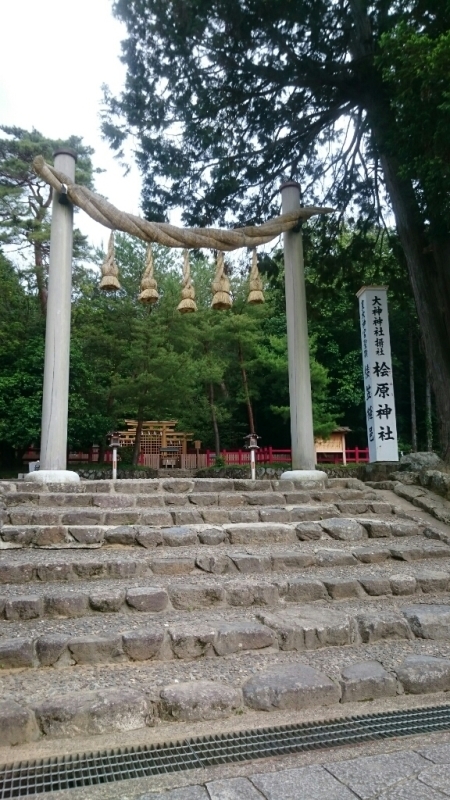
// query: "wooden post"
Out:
[55,397]
[302,436]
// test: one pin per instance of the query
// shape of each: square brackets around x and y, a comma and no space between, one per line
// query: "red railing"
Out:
[265,455]
[270,455]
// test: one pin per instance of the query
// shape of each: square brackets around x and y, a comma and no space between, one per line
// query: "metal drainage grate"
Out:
[69,772]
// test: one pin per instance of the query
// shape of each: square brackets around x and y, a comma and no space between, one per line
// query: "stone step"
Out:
[233,589]
[175,486]
[62,704]
[264,596]
[79,529]
[277,509]
[207,633]
[203,499]
[28,566]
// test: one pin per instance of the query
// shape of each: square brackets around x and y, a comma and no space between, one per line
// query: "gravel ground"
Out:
[37,685]
[120,621]
[357,570]
[42,556]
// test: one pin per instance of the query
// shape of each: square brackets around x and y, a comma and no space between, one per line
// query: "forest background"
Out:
[218,373]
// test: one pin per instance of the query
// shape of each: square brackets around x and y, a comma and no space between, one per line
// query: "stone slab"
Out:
[235,637]
[429,621]
[294,687]
[147,599]
[412,789]
[374,626]
[200,700]
[438,777]
[310,627]
[307,783]
[345,530]
[143,644]
[367,680]
[93,713]
[368,776]
[18,724]
[233,789]
[424,674]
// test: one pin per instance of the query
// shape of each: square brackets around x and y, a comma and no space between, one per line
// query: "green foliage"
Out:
[262,91]
[25,200]
[226,98]
[416,65]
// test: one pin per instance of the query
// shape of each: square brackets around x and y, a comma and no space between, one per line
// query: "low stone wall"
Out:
[274,472]
[105,474]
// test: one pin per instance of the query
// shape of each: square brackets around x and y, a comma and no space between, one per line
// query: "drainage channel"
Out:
[69,772]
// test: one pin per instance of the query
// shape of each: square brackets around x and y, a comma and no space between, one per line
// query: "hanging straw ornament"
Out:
[149,291]
[255,295]
[187,304]
[110,272]
[221,286]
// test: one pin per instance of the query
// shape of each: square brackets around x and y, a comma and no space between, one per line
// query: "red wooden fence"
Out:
[271,455]
[265,455]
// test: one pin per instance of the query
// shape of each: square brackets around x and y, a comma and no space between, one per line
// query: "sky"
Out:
[54,57]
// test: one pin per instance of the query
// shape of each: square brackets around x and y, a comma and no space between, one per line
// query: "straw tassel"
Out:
[221,286]
[187,304]
[255,295]
[110,272]
[149,290]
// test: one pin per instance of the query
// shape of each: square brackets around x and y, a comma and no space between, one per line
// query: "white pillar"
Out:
[57,336]
[302,436]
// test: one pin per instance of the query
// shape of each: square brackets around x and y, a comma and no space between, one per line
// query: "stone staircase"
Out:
[143,603]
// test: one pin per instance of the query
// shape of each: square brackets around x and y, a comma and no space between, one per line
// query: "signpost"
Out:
[377,368]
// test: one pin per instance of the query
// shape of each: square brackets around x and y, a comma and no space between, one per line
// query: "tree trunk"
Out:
[214,420]
[427,255]
[429,273]
[40,277]
[428,417]
[412,394]
[251,419]
[137,441]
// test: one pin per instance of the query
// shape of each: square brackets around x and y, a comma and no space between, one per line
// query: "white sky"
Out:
[54,57]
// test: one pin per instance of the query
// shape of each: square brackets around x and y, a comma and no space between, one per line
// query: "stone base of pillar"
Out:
[311,476]
[53,476]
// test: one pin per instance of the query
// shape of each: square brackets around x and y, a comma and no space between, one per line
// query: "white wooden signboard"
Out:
[377,367]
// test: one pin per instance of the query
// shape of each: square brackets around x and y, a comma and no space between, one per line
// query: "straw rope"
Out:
[255,295]
[221,286]
[110,270]
[149,289]
[187,304]
[163,233]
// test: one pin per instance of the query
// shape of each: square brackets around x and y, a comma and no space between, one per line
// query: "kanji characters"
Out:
[383,411]
[381,370]
[382,390]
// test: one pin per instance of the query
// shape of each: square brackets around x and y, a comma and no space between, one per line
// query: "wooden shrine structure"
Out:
[161,445]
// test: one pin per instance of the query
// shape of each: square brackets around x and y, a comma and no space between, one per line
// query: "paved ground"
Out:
[410,768]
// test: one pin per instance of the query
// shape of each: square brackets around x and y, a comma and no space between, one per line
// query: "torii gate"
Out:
[66,193]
